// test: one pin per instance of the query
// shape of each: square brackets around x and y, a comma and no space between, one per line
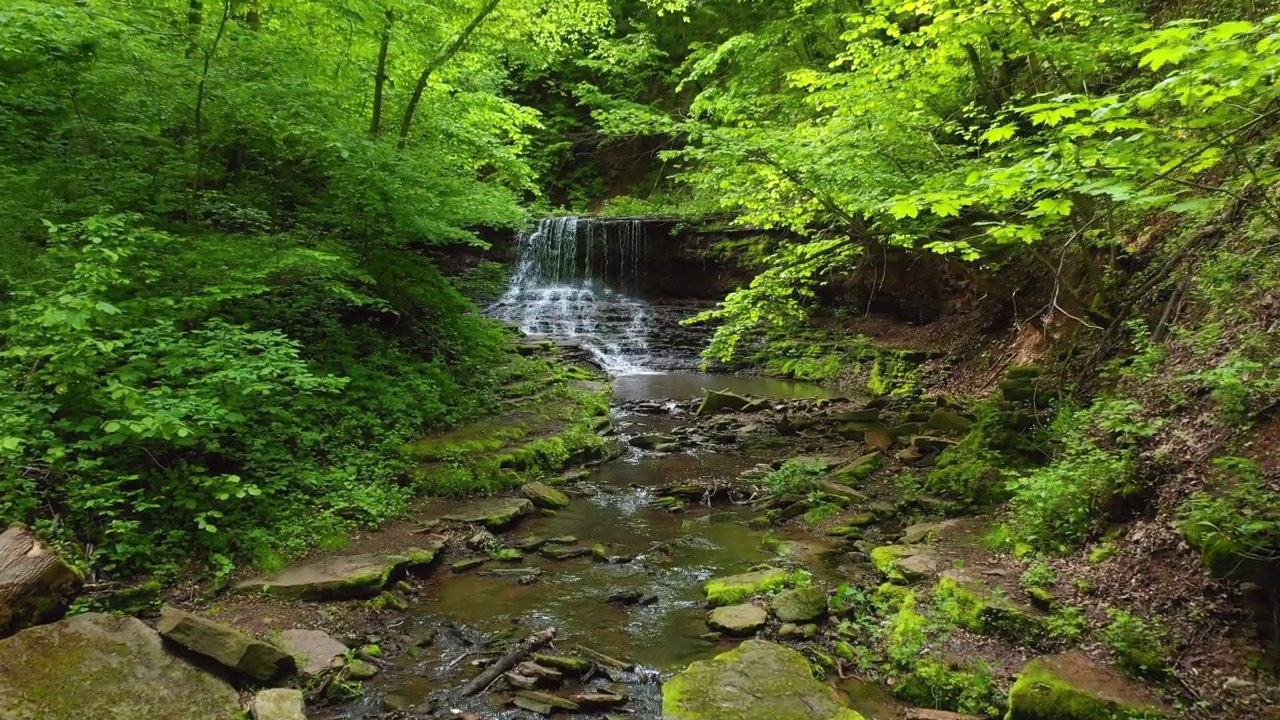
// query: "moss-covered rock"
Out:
[343,576]
[544,496]
[972,604]
[904,564]
[800,605]
[105,667]
[494,514]
[716,401]
[739,588]
[757,680]
[1073,687]
[859,469]
[224,644]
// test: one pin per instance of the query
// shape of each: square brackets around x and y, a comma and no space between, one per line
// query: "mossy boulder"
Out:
[343,576]
[800,605]
[494,514]
[278,704]
[545,496]
[1073,687]
[739,588]
[757,680]
[716,401]
[743,619]
[224,644]
[858,470]
[948,421]
[105,667]
[974,605]
[653,442]
[905,564]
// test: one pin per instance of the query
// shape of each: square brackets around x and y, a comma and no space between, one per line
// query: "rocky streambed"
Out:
[736,543]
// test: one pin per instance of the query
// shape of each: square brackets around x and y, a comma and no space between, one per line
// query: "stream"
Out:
[571,285]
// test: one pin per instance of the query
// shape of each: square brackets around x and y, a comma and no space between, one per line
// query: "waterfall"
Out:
[576,279]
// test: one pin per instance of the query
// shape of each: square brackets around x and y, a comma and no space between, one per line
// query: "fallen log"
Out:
[605,660]
[508,661]
[34,582]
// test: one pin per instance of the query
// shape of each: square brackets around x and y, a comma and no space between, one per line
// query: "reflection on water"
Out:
[682,386]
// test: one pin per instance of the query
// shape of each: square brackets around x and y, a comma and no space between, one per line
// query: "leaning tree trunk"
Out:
[34,582]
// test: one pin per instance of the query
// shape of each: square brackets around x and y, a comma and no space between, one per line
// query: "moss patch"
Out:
[1071,688]
[969,603]
[740,588]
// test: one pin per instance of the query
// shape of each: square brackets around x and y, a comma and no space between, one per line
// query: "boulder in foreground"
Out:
[1073,687]
[756,681]
[105,667]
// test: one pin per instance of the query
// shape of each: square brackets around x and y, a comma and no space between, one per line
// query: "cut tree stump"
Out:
[35,583]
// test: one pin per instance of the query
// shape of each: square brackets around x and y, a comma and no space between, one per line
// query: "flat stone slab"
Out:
[224,644]
[312,650]
[1073,687]
[343,576]
[756,681]
[105,667]
[493,514]
[743,619]
[278,704]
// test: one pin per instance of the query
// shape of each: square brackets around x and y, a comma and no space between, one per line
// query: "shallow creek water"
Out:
[675,553]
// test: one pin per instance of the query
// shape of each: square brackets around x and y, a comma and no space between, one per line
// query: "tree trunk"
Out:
[380,80]
[34,582]
[435,64]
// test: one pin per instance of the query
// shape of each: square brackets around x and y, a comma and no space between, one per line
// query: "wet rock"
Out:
[105,666]
[788,630]
[743,619]
[521,682]
[360,670]
[948,421]
[652,442]
[757,680]
[344,576]
[625,597]
[711,637]
[468,564]
[738,588]
[313,651]
[224,644]
[599,699]
[715,401]
[903,564]
[860,520]
[795,510]
[800,605]
[562,552]
[493,514]
[278,704]
[1073,687]
[845,531]
[544,496]
[529,544]
[563,540]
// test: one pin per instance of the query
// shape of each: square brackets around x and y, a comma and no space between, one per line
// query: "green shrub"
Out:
[1237,525]
[1039,575]
[793,478]
[1139,645]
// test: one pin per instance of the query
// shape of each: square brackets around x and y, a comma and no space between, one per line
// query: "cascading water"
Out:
[576,279]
